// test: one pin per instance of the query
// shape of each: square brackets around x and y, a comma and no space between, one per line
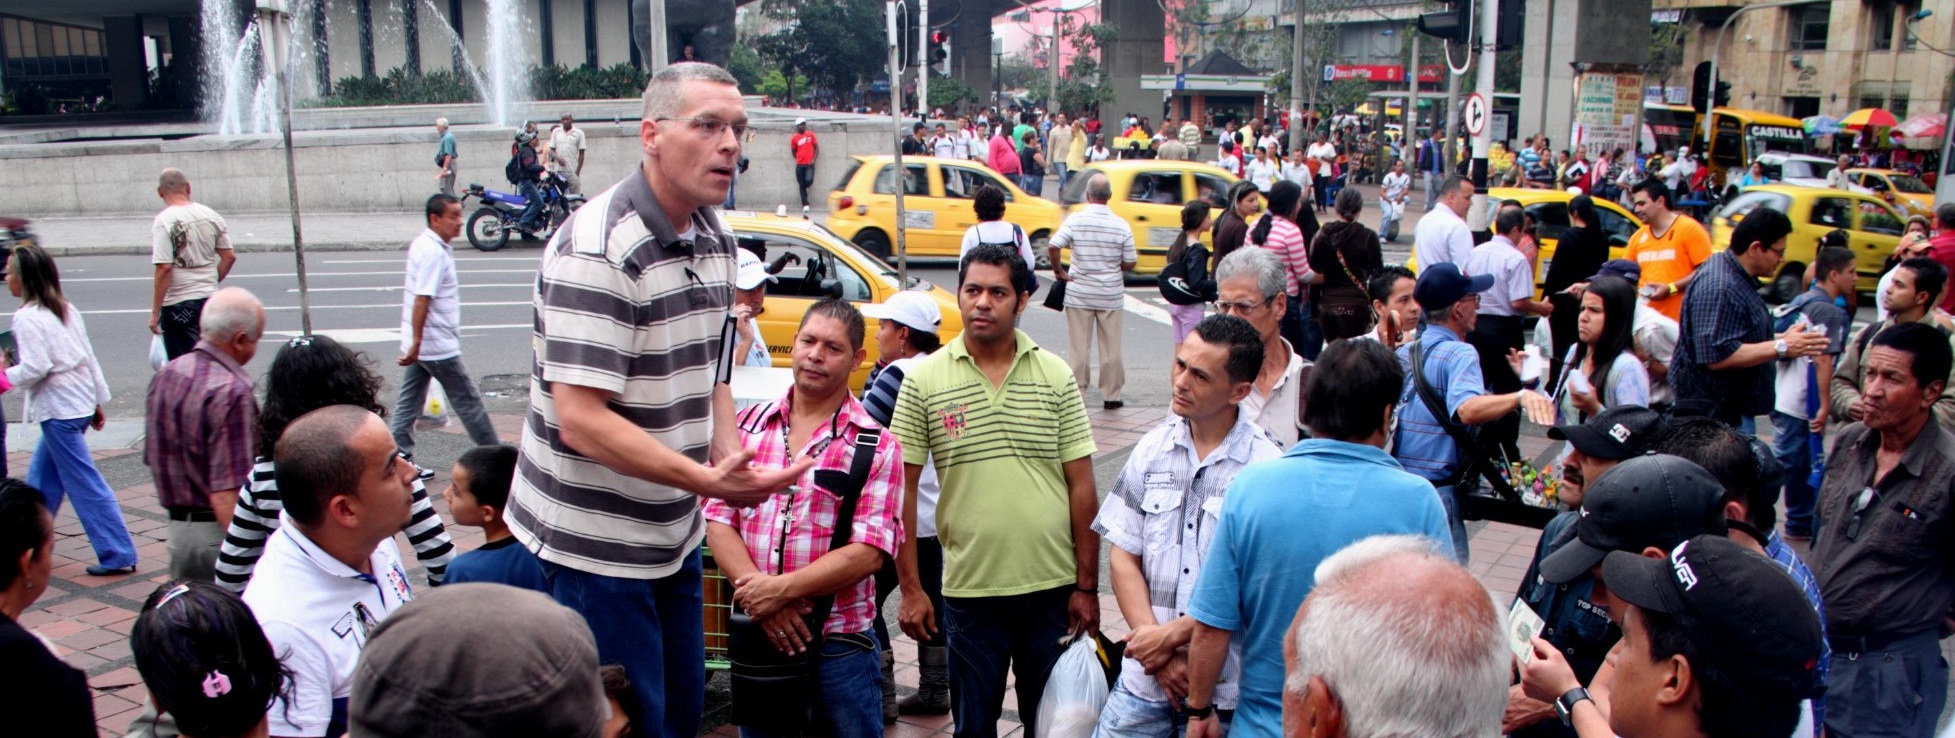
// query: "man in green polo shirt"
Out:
[1003,422]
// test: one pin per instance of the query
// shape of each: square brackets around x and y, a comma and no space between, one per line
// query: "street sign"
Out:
[1475,111]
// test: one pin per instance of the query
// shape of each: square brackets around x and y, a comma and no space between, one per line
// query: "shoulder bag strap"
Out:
[1469,461]
[865,457]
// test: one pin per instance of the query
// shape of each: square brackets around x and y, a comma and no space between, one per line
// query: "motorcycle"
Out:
[490,225]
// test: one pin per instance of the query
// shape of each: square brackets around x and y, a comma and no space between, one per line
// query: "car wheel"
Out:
[485,231]
[1041,242]
[875,242]
[1787,285]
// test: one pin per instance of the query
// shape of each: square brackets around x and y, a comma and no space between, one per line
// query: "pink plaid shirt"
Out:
[807,513]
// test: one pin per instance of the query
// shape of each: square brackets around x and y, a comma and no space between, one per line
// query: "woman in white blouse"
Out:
[65,392]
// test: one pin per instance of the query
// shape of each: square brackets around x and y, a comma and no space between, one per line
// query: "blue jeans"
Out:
[532,205]
[1032,184]
[655,628]
[989,634]
[1792,444]
[851,690]
[62,467]
[1128,716]
[462,398]
[1449,499]
[1059,169]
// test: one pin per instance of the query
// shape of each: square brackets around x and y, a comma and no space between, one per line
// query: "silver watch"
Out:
[1779,346]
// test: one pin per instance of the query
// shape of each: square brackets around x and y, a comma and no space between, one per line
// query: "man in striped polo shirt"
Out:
[1003,424]
[1096,289]
[629,398]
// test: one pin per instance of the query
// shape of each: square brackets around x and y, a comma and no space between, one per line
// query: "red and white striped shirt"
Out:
[1286,239]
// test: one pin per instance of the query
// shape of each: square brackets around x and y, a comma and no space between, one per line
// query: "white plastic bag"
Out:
[158,355]
[1074,694]
[434,413]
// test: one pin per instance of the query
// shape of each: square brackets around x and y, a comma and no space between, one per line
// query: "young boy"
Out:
[476,498]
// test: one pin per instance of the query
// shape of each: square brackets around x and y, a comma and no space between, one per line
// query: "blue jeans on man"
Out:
[1792,444]
[1449,500]
[655,629]
[62,467]
[532,205]
[851,689]
[1128,716]
[989,634]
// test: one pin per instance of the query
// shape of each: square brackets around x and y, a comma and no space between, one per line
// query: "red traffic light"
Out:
[939,37]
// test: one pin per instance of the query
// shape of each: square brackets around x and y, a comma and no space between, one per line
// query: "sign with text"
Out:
[1606,106]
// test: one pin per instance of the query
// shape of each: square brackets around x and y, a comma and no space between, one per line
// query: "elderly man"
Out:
[201,419]
[628,406]
[444,158]
[1096,291]
[1162,514]
[1444,391]
[834,542]
[567,154]
[1442,236]
[1394,600]
[1342,481]
[1723,364]
[1249,285]
[431,339]
[334,573]
[1882,548]
[191,248]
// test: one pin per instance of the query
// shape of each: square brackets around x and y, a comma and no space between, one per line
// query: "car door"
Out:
[1152,207]
[1875,234]
[920,219]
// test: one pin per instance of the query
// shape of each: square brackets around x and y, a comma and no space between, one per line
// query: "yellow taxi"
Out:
[1904,191]
[937,199]
[819,264]
[1873,230]
[1549,208]
[1148,194]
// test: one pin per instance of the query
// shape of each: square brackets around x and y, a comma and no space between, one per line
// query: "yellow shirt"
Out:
[1670,257]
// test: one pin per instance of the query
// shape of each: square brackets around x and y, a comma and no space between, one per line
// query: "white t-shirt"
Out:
[944,146]
[562,143]
[318,613]
[1297,173]
[1323,152]
[1098,153]
[1396,183]
[1101,242]
[1442,236]
[1263,173]
[188,236]
[998,231]
[431,273]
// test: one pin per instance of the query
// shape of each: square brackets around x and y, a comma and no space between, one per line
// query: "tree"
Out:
[1666,50]
[1084,87]
[950,92]
[747,66]
[828,42]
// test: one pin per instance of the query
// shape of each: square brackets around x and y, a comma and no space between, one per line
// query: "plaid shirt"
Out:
[202,427]
[804,514]
[1721,313]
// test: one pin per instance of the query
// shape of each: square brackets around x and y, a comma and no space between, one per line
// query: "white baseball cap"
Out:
[799,121]
[753,272]
[911,308]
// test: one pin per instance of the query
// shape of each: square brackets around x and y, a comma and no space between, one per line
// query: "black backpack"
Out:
[514,169]
[1031,272]
[1186,282]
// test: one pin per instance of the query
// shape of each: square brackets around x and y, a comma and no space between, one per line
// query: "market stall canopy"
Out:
[1820,125]
[1929,125]
[1869,118]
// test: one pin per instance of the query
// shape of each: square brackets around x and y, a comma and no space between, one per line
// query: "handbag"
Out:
[1055,298]
[779,692]
[1501,502]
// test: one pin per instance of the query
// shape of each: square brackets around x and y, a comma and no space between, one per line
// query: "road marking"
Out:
[457,258]
[1147,311]
[390,335]
[392,305]
[393,274]
[294,290]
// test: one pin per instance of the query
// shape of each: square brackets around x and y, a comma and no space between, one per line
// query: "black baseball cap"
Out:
[1657,500]
[1743,610]
[1442,284]
[1624,268]
[1614,434]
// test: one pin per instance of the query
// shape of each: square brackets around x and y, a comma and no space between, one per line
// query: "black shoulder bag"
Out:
[778,692]
[1503,503]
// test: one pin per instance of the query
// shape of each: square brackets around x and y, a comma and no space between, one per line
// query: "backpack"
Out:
[1031,275]
[1186,282]
[514,169]
[1785,316]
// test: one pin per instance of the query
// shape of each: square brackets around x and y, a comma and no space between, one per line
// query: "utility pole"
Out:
[1483,142]
[899,175]
[923,60]
[1052,65]
[1452,112]
[1410,115]
[1297,70]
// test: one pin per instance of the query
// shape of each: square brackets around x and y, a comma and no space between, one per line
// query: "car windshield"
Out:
[1804,169]
[1910,185]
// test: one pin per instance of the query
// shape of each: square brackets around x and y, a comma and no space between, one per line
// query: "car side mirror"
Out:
[831,288]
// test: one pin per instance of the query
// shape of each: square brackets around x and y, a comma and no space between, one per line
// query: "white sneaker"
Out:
[804,212]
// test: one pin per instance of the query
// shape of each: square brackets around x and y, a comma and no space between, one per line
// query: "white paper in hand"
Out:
[1522,626]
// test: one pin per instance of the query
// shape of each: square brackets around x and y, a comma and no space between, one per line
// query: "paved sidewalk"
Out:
[89,618]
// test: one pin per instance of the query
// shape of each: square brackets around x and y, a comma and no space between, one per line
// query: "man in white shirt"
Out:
[567,154]
[1226,159]
[431,322]
[1442,235]
[329,578]
[1498,332]
[191,248]
[1394,189]
[1103,252]
[943,145]
[1678,171]
[1837,178]
[1297,170]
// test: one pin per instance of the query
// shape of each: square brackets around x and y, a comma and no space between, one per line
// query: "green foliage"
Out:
[1666,49]
[747,66]
[775,85]
[587,83]
[950,92]
[837,44]
[440,86]
[1346,94]
[1084,87]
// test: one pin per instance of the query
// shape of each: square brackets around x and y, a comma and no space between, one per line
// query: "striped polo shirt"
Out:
[1003,515]
[625,306]
[1100,241]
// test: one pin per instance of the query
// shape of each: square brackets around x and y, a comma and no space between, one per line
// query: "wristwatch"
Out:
[1199,713]
[1779,346]
[1564,706]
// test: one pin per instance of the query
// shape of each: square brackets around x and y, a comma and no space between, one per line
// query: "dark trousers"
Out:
[804,175]
[1300,328]
[655,628]
[532,207]
[987,635]
[1895,691]
[181,326]
[1493,336]
[930,569]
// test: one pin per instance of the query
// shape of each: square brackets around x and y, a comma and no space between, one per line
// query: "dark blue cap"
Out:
[1440,285]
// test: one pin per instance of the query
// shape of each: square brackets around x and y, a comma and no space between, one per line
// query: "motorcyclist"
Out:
[528,169]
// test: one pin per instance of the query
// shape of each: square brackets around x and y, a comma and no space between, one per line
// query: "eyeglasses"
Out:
[713,127]
[1860,504]
[1239,307]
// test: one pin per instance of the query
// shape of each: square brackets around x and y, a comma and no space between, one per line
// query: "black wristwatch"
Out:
[1199,713]
[1564,706]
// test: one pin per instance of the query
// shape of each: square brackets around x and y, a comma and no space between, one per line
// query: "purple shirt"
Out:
[203,424]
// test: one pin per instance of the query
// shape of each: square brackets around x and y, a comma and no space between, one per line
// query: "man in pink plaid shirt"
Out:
[777,553]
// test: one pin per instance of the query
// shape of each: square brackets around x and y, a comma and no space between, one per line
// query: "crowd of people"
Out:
[1287,547]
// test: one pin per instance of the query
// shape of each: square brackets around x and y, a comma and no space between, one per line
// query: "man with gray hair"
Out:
[1396,639]
[444,158]
[201,419]
[191,248]
[630,400]
[1096,289]
[1249,284]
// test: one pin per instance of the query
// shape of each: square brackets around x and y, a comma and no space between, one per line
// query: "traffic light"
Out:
[939,49]
[1455,23]
[1721,94]
[1513,17]
[906,33]
[1702,90]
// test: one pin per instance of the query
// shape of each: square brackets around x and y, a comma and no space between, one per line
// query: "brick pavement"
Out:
[88,618]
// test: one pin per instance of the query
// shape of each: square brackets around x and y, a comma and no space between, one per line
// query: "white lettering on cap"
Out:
[1620,433]
[1685,575]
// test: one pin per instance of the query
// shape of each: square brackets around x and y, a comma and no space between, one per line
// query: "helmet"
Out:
[525,137]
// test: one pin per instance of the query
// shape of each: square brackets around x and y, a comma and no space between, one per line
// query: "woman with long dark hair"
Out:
[309,373]
[206,661]
[1232,228]
[1284,233]
[1602,369]
[1194,221]
[1578,255]
[44,696]
[65,393]
[1346,253]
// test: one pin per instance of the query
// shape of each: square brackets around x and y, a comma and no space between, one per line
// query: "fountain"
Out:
[240,93]
[507,83]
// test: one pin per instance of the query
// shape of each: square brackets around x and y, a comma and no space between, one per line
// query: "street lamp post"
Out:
[274,31]
[1718,47]
[1894,70]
